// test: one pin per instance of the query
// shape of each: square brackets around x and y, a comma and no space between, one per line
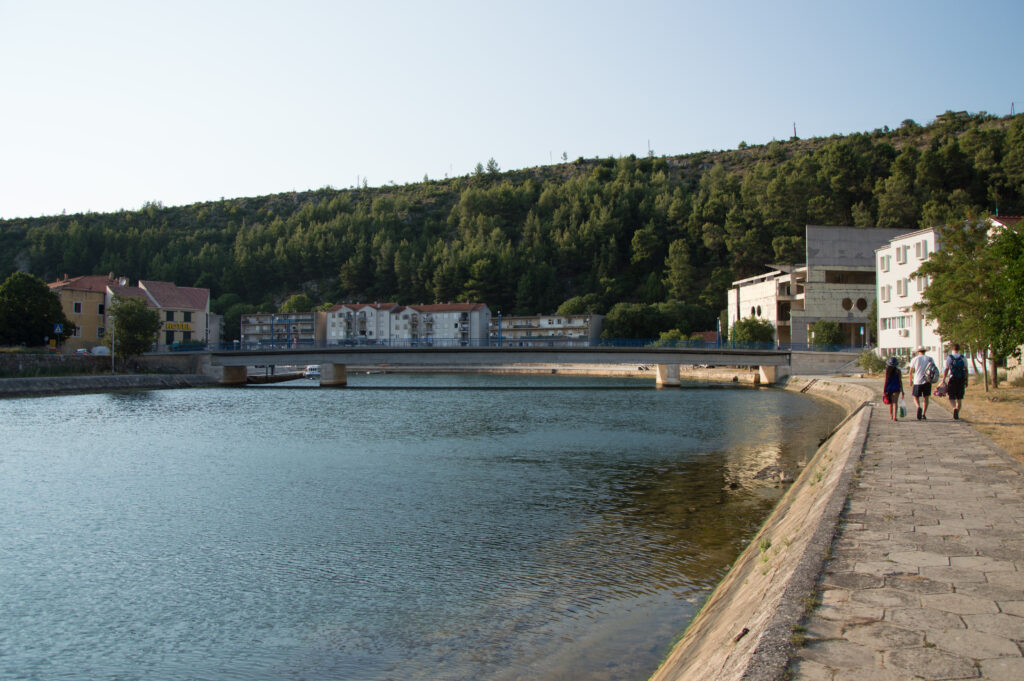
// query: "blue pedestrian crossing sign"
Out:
[58,329]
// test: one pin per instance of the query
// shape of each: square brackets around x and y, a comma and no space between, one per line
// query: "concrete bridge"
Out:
[333,360]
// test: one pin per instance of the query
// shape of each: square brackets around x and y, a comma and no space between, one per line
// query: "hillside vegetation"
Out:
[645,230]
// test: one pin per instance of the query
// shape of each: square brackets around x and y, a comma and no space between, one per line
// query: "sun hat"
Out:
[893,362]
[922,349]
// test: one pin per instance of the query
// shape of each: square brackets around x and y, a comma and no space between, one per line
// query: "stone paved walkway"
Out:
[926,579]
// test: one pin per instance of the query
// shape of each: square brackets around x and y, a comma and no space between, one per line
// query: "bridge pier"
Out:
[766,375]
[667,375]
[233,375]
[333,376]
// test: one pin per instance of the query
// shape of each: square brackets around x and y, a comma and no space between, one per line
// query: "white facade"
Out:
[901,328]
[837,283]
[448,323]
[569,329]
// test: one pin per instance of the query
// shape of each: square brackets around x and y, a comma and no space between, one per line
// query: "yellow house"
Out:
[84,301]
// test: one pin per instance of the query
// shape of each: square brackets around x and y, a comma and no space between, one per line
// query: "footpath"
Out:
[926,574]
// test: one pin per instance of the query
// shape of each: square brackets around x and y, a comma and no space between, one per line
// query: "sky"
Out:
[108,105]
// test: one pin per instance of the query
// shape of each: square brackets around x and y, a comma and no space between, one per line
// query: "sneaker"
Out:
[919,413]
[956,414]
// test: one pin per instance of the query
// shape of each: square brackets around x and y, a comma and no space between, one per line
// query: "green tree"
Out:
[825,332]
[28,312]
[753,330]
[135,327]
[299,302]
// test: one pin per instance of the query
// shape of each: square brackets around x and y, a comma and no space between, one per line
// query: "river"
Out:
[449,527]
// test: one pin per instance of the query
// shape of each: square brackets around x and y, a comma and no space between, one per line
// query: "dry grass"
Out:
[999,414]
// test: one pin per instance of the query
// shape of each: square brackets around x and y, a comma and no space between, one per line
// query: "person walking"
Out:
[892,389]
[922,374]
[956,369]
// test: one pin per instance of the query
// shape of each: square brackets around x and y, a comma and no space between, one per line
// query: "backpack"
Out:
[931,373]
[957,368]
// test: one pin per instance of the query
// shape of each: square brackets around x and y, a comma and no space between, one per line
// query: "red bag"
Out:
[885,398]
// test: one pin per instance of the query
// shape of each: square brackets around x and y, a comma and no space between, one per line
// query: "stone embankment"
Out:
[744,629]
[39,386]
[898,555]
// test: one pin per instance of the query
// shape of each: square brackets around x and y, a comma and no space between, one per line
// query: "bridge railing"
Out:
[554,342]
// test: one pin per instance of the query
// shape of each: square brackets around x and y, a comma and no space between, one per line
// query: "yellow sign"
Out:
[177,326]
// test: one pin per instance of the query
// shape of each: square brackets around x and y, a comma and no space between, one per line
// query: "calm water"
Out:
[410,527]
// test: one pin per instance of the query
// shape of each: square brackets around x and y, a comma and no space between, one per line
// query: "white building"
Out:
[442,323]
[836,282]
[563,329]
[901,328]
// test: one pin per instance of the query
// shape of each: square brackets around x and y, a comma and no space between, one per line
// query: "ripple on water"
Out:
[453,530]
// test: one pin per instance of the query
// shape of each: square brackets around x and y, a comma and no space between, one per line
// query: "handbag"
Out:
[940,390]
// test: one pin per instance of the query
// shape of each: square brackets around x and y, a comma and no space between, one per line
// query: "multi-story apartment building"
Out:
[568,329]
[84,301]
[901,327]
[447,323]
[837,282]
[282,329]
[184,311]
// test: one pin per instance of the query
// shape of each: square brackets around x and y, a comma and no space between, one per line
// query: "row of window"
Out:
[186,316]
[77,308]
[900,322]
[903,255]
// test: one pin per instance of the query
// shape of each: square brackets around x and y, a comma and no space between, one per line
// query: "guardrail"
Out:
[519,343]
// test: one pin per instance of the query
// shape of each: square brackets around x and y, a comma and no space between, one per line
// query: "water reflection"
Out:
[457,532]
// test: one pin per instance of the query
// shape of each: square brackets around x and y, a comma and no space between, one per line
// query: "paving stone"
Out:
[960,604]
[983,563]
[1003,669]
[820,628]
[852,580]
[993,592]
[884,636]
[917,584]
[1013,580]
[1012,607]
[974,644]
[952,575]
[882,568]
[840,655]
[886,598]
[809,670]
[920,559]
[850,613]
[1001,624]
[833,596]
[924,619]
[874,675]
[931,663]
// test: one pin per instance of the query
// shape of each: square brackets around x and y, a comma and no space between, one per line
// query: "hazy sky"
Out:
[106,105]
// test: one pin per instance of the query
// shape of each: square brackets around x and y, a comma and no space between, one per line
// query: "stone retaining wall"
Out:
[25,387]
[744,629]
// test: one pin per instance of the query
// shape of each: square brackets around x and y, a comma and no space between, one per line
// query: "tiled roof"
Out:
[168,295]
[120,291]
[96,283]
[448,307]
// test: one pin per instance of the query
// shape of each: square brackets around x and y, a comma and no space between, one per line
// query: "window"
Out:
[883,263]
[78,308]
[886,293]
[100,331]
[78,332]
[170,316]
[169,337]
[101,309]
[186,316]
[186,336]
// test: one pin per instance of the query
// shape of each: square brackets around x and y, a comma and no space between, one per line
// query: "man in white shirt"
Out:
[922,389]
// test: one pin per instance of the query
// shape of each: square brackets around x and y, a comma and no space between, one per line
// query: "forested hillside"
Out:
[629,229]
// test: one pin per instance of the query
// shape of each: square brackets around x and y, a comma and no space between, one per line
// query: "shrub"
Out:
[870,362]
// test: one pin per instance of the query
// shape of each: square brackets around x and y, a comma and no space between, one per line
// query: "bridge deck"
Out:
[470,356]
